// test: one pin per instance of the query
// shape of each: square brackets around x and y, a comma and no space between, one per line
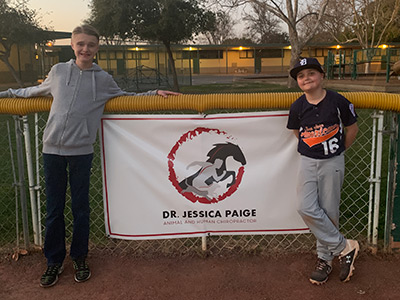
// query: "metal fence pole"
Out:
[378,169]
[37,188]
[21,183]
[31,180]
[354,68]
[387,64]
[395,222]
[391,182]
[371,178]
[204,243]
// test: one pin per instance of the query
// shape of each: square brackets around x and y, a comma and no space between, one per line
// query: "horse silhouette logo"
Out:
[217,176]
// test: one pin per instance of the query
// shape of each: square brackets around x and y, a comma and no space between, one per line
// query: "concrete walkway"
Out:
[362,83]
[372,84]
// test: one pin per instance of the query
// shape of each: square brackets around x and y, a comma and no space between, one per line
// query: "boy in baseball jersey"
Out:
[325,123]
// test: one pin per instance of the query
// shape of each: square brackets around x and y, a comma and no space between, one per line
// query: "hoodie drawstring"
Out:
[69,74]
[93,86]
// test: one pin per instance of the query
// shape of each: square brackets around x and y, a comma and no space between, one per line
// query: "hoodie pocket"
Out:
[69,131]
[54,129]
[76,132]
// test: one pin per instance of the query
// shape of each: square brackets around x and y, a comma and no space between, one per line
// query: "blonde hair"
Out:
[86,29]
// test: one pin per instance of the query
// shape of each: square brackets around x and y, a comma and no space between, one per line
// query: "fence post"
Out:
[391,181]
[329,65]
[204,243]
[38,188]
[31,180]
[387,64]
[377,179]
[371,176]
[395,225]
[354,69]
[21,183]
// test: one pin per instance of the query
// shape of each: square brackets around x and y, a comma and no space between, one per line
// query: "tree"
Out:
[109,17]
[394,31]
[17,23]
[166,21]
[243,41]
[222,29]
[370,23]
[372,19]
[335,23]
[264,26]
[293,13]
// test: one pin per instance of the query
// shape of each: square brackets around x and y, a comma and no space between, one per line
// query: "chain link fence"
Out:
[355,208]
[9,225]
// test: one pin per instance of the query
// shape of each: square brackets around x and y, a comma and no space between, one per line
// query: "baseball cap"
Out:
[306,63]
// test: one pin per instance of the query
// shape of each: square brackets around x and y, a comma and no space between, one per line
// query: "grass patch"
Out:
[237,87]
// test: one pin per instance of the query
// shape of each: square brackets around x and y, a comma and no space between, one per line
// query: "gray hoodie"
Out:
[79,97]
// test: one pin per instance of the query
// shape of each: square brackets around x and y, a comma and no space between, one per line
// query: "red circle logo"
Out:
[206,165]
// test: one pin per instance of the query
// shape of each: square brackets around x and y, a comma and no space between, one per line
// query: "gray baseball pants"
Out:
[319,188]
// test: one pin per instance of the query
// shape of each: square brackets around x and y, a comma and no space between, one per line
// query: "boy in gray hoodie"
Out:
[80,90]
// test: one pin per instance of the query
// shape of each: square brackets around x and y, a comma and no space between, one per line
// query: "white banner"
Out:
[167,176]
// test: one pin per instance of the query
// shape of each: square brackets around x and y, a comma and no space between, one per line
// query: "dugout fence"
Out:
[362,62]
[367,197]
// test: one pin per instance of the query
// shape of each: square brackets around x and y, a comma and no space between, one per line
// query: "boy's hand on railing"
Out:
[165,94]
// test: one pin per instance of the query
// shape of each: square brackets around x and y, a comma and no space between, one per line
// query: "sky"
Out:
[65,15]
[62,15]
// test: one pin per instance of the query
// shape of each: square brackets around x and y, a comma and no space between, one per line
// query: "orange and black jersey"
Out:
[320,126]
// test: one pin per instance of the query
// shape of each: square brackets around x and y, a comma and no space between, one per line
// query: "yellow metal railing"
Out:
[204,102]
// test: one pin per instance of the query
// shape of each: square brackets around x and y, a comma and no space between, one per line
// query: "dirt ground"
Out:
[239,277]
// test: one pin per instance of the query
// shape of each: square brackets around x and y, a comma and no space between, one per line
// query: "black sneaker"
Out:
[50,277]
[82,271]
[347,260]
[321,272]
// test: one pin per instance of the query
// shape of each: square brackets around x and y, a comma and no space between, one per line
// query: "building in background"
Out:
[32,61]
[137,67]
